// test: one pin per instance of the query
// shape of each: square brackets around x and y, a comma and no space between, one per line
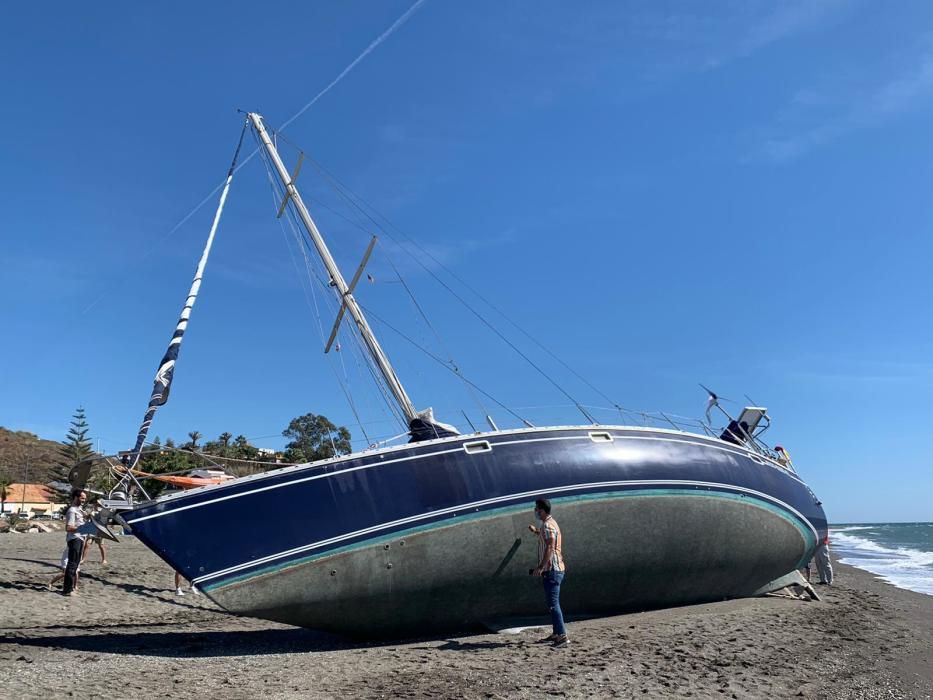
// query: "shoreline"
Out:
[128,633]
[880,577]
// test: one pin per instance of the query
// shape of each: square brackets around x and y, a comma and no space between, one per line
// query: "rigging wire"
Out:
[309,269]
[209,458]
[312,301]
[404,284]
[313,273]
[349,196]
[362,205]
[437,336]
[443,364]
[360,353]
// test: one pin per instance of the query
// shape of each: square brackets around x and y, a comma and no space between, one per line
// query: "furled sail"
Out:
[163,379]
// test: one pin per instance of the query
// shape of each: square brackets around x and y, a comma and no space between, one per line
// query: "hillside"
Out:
[24,454]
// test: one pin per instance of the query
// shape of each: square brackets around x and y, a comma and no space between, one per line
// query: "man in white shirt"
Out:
[74,539]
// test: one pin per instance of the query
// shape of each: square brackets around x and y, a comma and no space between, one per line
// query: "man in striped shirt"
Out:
[550,567]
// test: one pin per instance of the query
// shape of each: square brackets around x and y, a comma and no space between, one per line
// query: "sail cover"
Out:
[424,427]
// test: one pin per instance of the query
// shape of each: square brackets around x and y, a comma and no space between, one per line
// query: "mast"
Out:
[382,362]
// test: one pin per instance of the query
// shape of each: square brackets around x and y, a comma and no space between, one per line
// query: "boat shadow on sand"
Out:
[154,593]
[177,644]
[220,644]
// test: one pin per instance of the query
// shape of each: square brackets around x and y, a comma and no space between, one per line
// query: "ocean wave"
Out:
[903,567]
[851,528]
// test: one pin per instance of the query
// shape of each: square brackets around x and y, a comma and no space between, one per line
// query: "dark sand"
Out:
[128,635]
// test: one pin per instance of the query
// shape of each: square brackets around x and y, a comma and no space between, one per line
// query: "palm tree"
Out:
[195,436]
[225,439]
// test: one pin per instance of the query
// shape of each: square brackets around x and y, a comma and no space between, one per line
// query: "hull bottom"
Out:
[624,551]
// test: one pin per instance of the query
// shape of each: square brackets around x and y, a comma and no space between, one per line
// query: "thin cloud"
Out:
[716,36]
[787,20]
[850,378]
[30,276]
[849,371]
[862,110]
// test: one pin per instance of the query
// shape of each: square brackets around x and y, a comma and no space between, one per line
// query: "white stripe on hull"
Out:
[721,447]
[491,501]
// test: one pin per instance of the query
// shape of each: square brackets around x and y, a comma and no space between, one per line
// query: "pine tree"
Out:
[76,446]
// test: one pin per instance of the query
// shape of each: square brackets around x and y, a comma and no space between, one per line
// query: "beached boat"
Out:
[432,534]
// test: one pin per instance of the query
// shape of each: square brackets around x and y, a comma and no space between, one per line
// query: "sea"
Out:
[899,553]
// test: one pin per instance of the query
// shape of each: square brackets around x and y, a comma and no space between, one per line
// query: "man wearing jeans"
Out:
[74,521]
[550,567]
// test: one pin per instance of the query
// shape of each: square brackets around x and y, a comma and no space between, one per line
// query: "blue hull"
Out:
[650,517]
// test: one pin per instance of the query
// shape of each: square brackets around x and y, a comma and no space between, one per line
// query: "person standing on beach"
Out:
[74,521]
[178,589]
[550,568]
[63,565]
[99,541]
[100,545]
[824,566]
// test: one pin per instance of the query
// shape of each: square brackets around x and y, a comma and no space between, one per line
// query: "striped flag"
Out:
[166,371]
[163,378]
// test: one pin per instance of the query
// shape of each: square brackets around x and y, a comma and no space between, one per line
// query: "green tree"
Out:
[165,461]
[314,437]
[76,446]
[241,449]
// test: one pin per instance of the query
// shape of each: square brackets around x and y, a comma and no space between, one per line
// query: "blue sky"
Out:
[662,193]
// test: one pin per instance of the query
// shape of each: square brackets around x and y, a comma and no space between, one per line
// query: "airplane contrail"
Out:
[368,50]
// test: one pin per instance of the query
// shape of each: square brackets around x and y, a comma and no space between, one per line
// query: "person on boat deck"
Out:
[824,566]
[74,539]
[550,568]
[783,456]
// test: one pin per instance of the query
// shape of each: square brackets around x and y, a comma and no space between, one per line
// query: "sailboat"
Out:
[432,535]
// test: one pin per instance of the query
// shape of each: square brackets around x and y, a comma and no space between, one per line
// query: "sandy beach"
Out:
[128,635]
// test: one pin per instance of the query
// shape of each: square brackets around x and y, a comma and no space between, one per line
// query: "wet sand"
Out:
[128,635]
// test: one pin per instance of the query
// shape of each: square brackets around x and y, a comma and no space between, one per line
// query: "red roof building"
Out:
[33,498]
